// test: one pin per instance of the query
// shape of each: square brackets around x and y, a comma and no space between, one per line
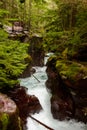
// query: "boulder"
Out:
[26,73]
[61,109]
[26,103]
[9,116]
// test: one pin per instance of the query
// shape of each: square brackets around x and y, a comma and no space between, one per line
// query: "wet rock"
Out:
[81,114]
[34,105]
[26,103]
[9,116]
[62,105]
[36,50]
[69,94]
[79,94]
[61,109]
[79,85]
[32,70]
[26,72]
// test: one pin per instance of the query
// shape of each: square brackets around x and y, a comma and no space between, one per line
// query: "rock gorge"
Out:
[67,81]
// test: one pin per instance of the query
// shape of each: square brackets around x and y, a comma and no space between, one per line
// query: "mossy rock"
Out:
[4,121]
[9,117]
[71,70]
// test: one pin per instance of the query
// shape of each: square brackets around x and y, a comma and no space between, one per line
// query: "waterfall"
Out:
[39,90]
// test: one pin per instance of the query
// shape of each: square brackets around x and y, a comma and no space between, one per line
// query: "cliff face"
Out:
[67,81]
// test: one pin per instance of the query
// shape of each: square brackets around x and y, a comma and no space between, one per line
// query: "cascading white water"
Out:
[39,90]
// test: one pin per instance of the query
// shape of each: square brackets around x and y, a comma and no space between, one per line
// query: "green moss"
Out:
[64,53]
[53,57]
[4,119]
[19,122]
[72,70]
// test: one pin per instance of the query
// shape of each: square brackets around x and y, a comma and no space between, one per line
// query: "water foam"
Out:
[39,90]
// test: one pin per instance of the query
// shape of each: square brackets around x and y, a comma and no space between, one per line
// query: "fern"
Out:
[12,60]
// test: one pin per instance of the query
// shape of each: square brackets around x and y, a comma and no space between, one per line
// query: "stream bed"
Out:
[38,89]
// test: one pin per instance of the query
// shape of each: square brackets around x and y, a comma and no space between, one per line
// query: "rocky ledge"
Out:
[67,81]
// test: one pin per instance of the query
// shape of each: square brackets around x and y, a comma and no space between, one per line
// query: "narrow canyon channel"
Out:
[38,89]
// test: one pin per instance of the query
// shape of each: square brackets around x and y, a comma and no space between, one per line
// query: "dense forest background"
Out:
[61,23]
[29,29]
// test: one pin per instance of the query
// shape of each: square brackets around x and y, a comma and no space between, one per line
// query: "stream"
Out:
[39,90]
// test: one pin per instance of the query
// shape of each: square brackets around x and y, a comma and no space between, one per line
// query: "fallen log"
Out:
[49,128]
[36,78]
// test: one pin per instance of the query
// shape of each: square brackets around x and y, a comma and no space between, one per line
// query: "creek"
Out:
[39,90]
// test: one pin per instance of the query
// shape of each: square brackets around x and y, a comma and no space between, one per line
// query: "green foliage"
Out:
[3,12]
[3,35]
[71,70]
[78,39]
[12,19]
[39,1]
[36,16]
[67,18]
[12,60]
[64,53]
[19,122]
[65,34]
[81,17]
[56,41]
[4,118]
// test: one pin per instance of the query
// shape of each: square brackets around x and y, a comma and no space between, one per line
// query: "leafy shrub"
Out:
[12,60]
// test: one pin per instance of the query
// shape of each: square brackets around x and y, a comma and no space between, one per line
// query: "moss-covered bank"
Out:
[67,81]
